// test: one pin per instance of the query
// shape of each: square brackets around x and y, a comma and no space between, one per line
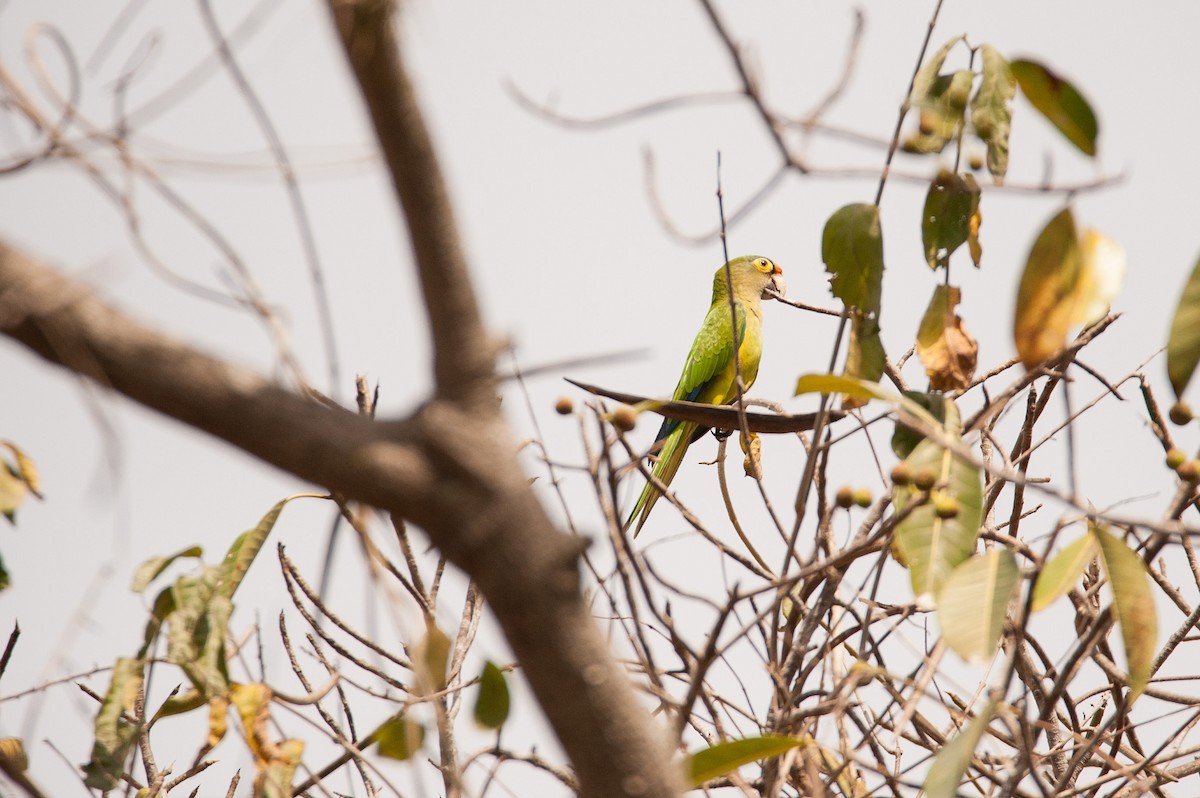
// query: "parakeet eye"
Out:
[763,265]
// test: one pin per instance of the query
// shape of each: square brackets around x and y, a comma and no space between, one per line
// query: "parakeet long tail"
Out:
[669,458]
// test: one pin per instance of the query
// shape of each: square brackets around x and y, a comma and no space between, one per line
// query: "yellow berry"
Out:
[564,406]
[1189,471]
[1175,458]
[863,497]
[945,507]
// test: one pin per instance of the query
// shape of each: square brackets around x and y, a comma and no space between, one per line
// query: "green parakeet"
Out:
[709,372]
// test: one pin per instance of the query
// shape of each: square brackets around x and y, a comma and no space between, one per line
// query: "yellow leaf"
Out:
[26,471]
[973,225]
[253,702]
[1044,299]
[1062,571]
[753,451]
[1101,278]
[1067,281]
[431,658]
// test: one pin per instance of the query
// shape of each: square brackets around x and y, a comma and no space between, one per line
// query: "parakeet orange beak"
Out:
[778,284]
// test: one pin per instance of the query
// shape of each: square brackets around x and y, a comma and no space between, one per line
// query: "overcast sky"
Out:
[569,255]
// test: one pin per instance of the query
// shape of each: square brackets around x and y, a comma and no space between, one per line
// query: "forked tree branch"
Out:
[451,468]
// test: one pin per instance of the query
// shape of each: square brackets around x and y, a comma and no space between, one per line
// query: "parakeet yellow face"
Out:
[776,284]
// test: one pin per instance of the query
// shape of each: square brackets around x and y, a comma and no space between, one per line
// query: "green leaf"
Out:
[1060,102]
[951,763]
[950,203]
[115,737]
[491,707]
[164,605]
[1133,605]
[150,570]
[933,547]
[180,704]
[834,383]
[865,358]
[432,656]
[245,548]
[1183,345]
[718,760]
[1062,571]
[941,410]
[399,738]
[991,114]
[974,600]
[852,249]
[909,410]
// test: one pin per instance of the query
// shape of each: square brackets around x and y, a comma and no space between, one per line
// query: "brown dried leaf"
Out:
[946,349]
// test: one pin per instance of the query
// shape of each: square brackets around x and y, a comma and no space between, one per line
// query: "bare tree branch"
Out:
[463,355]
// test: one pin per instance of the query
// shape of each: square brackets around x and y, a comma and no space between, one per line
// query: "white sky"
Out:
[568,255]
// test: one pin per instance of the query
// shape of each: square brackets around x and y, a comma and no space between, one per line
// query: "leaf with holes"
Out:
[991,111]
[950,204]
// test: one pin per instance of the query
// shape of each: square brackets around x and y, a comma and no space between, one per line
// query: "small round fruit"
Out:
[863,497]
[975,161]
[1180,413]
[901,475]
[844,497]
[564,406]
[1189,471]
[624,418]
[1175,458]
[945,507]
[925,478]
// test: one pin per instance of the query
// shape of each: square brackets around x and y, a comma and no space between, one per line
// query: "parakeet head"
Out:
[753,275]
